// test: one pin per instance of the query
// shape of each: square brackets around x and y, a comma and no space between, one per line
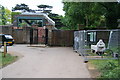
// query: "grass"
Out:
[4,61]
[107,68]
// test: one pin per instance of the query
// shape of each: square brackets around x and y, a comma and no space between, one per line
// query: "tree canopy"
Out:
[91,14]
[45,8]
[23,7]
[5,16]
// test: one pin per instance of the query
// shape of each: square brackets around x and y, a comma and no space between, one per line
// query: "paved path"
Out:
[55,62]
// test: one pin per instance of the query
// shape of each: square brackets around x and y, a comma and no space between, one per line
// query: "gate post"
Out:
[31,36]
[5,49]
[46,36]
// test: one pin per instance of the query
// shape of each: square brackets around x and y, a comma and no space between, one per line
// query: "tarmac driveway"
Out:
[54,62]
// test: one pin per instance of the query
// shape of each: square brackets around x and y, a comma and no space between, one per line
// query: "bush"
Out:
[109,65]
[110,69]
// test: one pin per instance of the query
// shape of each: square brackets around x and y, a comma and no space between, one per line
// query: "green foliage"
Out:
[22,24]
[6,60]
[13,14]
[113,50]
[45,8]
[116,49]
[65,28]
[23,7]
[82,13]
[109,65]
[57,19]
[5,16]
[109,52]
[111,13]
[108,68]
[91,15]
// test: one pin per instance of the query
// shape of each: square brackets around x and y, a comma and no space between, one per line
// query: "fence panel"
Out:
[61,38]
[6,29]
[18,36]
[35,36]
[22,36]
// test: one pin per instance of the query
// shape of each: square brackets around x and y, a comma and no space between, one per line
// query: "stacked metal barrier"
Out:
[82,43]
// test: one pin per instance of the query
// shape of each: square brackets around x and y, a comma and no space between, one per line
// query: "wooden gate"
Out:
[33,36]
[61,38]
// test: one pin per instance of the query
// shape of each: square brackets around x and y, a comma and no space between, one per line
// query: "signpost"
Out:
[5,49]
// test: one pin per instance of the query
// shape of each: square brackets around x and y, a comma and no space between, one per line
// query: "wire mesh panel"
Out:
[114,42]
[76,41]
[83,40]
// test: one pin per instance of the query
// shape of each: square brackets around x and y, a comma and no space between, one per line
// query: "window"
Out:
[92,36]
[8,37]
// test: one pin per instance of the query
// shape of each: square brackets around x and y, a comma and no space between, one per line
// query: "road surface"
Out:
[49,62]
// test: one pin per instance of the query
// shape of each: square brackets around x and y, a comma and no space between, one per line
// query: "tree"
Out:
[57,19]
[5,15]
[0,15]
[91,14]
[25,8]
[3,19]
[112,13]
[75,14]
[8,16]
[22,7]
[45,8]
[13,14]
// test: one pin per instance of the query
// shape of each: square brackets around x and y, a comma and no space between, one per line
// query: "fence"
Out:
[85,38]
[25,35]
[61,38]
[5,29]
[21,35]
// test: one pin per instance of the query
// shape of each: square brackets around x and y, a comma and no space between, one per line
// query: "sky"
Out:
[57,4]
